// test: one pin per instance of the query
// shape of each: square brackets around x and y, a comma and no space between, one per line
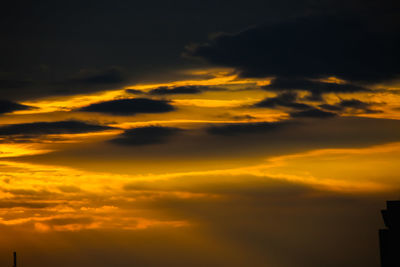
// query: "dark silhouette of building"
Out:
[389,238]
[15,259]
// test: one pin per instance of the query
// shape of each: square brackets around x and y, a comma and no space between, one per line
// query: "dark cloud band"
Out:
[287,99]
[178,90]
[57,127]
[308,47]
[145,136]
[9,106]
[246,128]
[127,107]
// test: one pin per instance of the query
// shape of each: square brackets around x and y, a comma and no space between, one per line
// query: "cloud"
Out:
[14,83]
[28,193]
[286,99]
[308,47]
[313,86]
[354,103]
[331,107]
[70,83]
[134,91]
[145,136]
[25,204]
[316,88]
[57,127]
[312,113]
[351,106]
[175,90]
[9,106]
[67,221]
[246,128]
[127,107]
[164,90]
[88,80]
[69,189]
[108,76]
[301,110]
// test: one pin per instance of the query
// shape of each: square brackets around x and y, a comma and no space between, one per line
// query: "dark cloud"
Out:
[236,142]
[45,44]
[189,89]
[312,113]
[134,91]
[13,84]
[315,97]
[175,90]
[25,204]
[127,107]
[9,106]
[287,99]
[28,192]
[83,81]
[87,81]
[331,107]
[57,127]
[246,128]
[354,103]
[316,88]
[109,76]
[145,136]
[242,117]
[308,47]
[68,221]
[313,86]
[69,189]
[351,105]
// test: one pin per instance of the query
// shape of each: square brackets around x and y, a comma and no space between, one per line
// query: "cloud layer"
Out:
[308,47]
[9,106]
[145,136]
[126,107]
[57,127]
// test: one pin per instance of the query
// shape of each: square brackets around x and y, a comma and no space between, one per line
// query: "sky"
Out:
[197,133]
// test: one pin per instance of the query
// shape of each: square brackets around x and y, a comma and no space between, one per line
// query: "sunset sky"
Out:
[197,133]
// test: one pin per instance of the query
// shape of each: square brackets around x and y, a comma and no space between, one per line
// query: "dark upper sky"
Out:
[59,47]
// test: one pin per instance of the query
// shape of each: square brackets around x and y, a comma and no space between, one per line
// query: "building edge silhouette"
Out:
[389,238]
